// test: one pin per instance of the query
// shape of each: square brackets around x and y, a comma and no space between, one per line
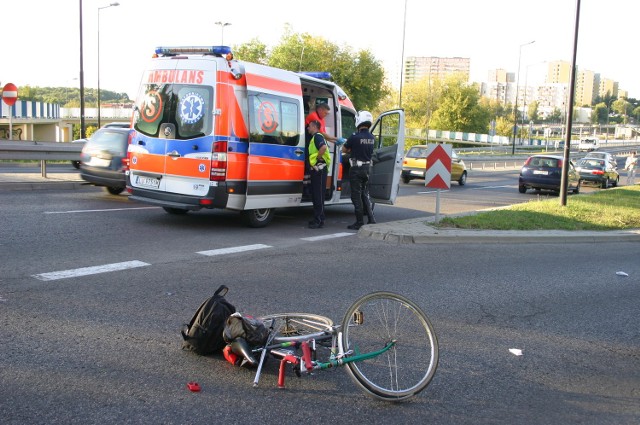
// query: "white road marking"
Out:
[105,210]
[471,188]
[233,250]
[434,191]
[85,271]
[334,235]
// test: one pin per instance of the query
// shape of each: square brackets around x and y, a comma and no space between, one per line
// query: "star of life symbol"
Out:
[191,108]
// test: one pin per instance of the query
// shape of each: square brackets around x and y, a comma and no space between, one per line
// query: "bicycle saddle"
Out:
[240,347]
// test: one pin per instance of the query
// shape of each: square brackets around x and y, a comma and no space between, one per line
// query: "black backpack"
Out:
[203,335]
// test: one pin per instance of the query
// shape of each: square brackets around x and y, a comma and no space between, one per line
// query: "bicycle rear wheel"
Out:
[405,369]
[298,326]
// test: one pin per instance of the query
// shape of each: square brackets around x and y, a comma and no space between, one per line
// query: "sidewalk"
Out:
[412,231]
[35,181]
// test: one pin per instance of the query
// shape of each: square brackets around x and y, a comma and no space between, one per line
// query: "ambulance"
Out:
[209,131]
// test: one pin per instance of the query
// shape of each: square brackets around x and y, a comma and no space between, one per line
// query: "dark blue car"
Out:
[544,172]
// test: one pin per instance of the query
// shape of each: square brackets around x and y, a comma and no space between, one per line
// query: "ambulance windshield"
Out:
[187,108]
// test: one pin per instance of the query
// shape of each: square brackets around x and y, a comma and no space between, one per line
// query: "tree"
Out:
[636,113]
[622,107]
[359,74]
[532,111]
[496,108]
[253,51]
[555,116]
[419,100]
[599,114]
[459,108]
[504,126]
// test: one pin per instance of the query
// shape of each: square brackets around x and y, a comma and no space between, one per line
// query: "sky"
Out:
[41,38]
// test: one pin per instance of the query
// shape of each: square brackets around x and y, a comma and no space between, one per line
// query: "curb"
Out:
[53,185]
[418,231]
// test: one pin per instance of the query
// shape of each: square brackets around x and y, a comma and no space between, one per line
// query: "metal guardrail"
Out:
[40,151]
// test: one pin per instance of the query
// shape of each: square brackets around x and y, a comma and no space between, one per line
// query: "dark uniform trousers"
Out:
[318,189]
[359,180]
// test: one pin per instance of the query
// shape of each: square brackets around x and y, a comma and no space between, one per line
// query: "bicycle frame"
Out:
[337,357]
[385,340]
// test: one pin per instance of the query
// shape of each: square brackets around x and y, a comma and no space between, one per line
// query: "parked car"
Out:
[588,144]
[76,164]
[117,125]
[609,157]
[545,172]
[598,171]
[103,160]
[414,165]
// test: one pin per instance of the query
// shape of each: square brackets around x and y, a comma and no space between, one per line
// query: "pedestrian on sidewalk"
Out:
[360,147]
[630,165]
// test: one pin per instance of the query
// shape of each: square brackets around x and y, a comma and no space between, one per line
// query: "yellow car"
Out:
[414,165]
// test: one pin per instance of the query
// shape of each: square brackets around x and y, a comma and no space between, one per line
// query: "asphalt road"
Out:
[105,347]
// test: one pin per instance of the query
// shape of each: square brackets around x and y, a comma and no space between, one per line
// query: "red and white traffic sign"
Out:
[10,94]
[438,173]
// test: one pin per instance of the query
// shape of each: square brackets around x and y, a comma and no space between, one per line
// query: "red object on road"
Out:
[10,94]
[193,387]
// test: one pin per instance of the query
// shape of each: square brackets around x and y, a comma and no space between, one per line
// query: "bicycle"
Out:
[386,342]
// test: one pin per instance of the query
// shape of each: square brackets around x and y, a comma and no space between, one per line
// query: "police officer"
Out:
[319,160]
[360,147]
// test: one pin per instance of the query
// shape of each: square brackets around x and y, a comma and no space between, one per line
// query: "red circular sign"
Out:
[151,106]
[10,94]
[268,117]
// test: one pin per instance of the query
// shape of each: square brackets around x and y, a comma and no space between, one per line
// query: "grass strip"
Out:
[611,209]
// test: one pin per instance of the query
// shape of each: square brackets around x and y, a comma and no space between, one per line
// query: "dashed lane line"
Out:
[233,249]
[331,236]
[85,271]
[103,210]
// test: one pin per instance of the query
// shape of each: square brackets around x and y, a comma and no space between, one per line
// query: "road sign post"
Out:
[438,173]
[9,96]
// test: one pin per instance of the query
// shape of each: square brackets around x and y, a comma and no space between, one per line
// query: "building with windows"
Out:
[587,87]
[608,87]
[417,68]
[559,72]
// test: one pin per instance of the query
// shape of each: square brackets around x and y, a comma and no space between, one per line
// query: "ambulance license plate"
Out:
[147,182]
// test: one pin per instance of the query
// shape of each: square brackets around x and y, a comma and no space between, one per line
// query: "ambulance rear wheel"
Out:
[259,218]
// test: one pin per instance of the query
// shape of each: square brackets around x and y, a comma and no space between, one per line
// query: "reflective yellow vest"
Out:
[313,152]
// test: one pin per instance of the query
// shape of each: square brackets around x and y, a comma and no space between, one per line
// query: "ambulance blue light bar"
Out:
[207,50]
[319,75]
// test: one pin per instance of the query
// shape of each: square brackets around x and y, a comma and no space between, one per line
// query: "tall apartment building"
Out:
[587,87]
[501,76]
[559,72]
[500,86]
[417,68]
[608,87]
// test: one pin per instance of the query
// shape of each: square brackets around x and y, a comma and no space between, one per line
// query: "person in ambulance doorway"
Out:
[322,110]
[319,161]
[360,147]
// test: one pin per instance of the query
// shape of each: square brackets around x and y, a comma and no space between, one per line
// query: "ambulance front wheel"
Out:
[259,218]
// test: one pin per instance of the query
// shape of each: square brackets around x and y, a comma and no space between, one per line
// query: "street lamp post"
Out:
[83,131]
[222,25]
[99,9]
[515,108]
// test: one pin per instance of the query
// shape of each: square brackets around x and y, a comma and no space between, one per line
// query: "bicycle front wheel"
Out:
[406,368]
[290,327]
